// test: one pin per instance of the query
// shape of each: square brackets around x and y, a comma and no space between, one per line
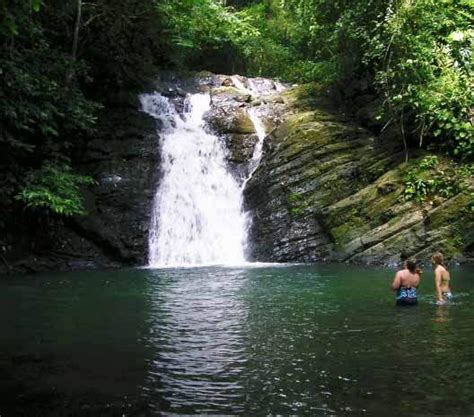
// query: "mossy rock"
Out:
[242,122]
[451,211]
[298,203]
[351,184]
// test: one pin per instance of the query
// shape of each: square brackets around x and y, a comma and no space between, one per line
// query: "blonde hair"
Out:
[438,258]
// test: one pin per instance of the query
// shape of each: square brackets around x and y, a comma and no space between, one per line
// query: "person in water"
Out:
[406,284]
[442,278]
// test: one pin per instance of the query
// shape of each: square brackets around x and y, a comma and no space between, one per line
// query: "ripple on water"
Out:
[312,340]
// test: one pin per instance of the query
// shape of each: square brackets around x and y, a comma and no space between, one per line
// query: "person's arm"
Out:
[397,282]
[439,295]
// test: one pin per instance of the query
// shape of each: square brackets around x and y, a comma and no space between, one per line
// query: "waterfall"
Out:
[197,215]
[258,86]
[258,149]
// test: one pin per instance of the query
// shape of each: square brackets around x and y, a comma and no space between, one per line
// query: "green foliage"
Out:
[46,113]
[423,67]
[416,55]
[204,31]
[428,162]
[432,178]
[469,209]
[268,52]
[252,39]
[8,20]
[122,41]
[38,106]
[56,189]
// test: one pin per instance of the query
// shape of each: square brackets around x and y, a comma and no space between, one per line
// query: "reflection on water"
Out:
[442,315]
[196,325]
[317,340]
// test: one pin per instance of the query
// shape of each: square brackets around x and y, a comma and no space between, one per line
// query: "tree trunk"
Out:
[77,24]
[402,132]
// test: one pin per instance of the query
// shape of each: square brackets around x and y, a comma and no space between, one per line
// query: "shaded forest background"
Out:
[63,62]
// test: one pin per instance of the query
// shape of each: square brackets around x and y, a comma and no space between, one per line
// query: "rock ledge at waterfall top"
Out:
[327,189]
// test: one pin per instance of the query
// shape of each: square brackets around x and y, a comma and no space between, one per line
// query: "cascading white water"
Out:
[197,216]
[240,85]
[258,149]
[257,86]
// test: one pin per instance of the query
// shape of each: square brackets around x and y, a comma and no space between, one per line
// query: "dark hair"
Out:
[411,266]
[404,256]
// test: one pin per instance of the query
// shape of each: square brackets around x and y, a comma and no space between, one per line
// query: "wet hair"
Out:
[411,266]
[438,258]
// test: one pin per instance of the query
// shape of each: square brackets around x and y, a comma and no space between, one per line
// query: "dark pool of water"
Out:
[313,340]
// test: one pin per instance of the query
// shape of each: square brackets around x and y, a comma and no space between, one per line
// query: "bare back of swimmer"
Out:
[406,283]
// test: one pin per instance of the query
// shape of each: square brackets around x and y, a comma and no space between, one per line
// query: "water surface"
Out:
[319,340]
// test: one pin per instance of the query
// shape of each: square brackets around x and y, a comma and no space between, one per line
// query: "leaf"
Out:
[36,5]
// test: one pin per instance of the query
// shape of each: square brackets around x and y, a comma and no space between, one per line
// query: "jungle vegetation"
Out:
[59,58]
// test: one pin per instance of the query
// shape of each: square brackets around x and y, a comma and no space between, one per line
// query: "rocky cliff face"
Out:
[328,189]
[122,158]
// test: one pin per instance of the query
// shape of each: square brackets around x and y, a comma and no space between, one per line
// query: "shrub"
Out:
[55,188]
[434,178]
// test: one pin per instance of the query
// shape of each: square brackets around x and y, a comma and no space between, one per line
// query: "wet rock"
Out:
[225,120]
[229,118]
[240,147]
[327,189]
[123,158]
[229,95]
